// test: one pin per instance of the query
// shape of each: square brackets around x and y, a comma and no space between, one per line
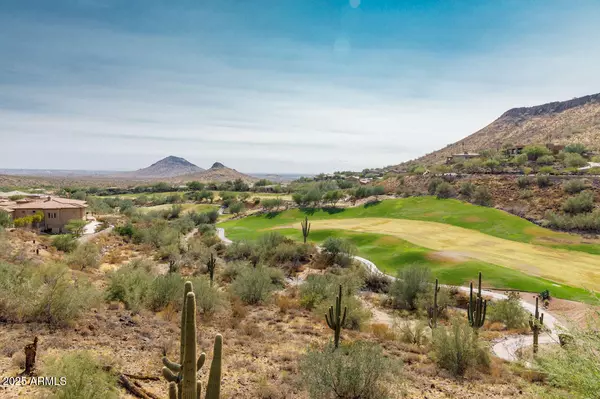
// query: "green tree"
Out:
[333,197]
[575,160]
[535,151]
[76,227]
[5,219]
[195,186]
[575,148]
[491,164]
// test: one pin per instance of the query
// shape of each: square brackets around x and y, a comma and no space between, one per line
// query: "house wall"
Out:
[54,219]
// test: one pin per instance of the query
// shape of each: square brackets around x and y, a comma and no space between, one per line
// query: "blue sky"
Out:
[277,85]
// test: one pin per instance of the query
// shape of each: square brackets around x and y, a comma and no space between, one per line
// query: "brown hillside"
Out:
[564,122]
[217,173]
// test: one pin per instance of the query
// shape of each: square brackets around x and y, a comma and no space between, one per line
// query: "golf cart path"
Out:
[507,347]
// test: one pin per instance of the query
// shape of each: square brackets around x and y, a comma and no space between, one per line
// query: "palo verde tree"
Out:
[305,228]
[183,376]
[335,320]
[477,308]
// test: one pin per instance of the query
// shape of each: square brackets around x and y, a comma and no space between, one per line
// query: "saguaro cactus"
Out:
[211,264]
[336,321]
[183,376]
[305,228]
[536,323]
[434,311]
[477,308]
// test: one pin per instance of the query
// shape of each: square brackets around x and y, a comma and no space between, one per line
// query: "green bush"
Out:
[445,300]
[575,148]
[253,285]
[412,280]
[467,189]
[433,185]
[129,285]
[543,181]
[45,293]
[5,219]
[324,287]
[582,222]
[523,181]
[208,297]
[356,315]
[163,291]
[338,251]
[354,370]
[574,367]
[237,207]
[574,160]
[457,348]
[482,196]
[545,160]
[444,190]
[526,194]
[85,377]
[574,186]
[547,170]
[86,255]
[65,242]
[509,311]
[413,332]
[582,203]
[535,151]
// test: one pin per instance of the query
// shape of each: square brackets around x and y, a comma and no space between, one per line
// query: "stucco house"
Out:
[57,211]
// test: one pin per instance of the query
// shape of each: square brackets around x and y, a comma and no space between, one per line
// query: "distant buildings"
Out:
[57,211]
[462,157]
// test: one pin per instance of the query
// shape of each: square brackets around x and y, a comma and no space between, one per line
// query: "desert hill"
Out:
[168,167]
[561,122]
[217,173]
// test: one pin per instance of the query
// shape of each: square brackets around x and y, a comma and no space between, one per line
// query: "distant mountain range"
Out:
[217,173]
[168,167]
[560,122]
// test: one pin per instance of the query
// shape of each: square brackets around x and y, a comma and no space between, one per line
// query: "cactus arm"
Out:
[189,383]
[187,288]
[329,318]
[201,361]
[213,390]
[169,376]
[174,367]
[172,390]
[343,318]
[199,390]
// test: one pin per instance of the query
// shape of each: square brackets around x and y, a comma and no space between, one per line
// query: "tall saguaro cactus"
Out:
[477,308]
[536,323]
[211,264]
[183,376]
[335,321]
[305,228]
[434,311]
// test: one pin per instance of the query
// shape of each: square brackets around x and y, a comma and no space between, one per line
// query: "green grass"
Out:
[391,254]
[490,221]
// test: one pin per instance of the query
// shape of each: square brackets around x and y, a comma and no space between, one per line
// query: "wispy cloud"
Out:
[213,87]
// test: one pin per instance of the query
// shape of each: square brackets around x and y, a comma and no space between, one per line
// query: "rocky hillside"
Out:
[217,173]
[165,168]
[561,122]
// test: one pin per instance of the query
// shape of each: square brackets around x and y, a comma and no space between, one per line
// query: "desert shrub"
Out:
[290,253]
[575,148]
[582,203]
[413,332]
[325,287]
[240,250]
[433,185]
[509,311]
[5,219]
[545,160]
[482,196]
[45,293]
[543,181]
[164,290]
[85,377]
[412,280]
[237,207]
[523,181]
[125,231]
[129,285]
[535,151]
[445,190]
[583,221]
[208,297]
[253,285]
[526,194]
[377,282]
[466,189]
[232,270]
[457,348]
[574,160]
[574,186]
[547,170]
[338,251]
[64,242]
[85,256]
[356,315]
[575,367]
[355,370]
[521,159]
